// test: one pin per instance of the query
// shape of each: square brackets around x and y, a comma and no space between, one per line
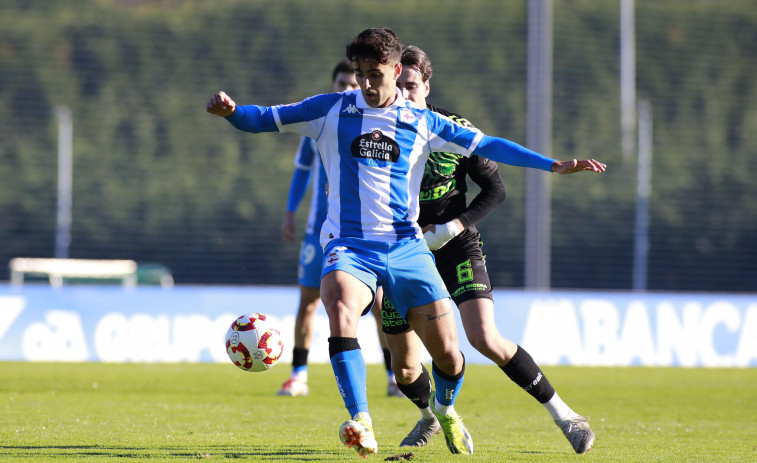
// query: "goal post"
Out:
[58,270]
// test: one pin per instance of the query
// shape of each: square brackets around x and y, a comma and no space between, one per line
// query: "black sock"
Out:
[387,360]
[338,344]
[419,391]
[526,373]
[444,375]
[299,357]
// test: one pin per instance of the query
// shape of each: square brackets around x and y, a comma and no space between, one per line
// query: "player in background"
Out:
[309,168]
[449,229]
[374,145]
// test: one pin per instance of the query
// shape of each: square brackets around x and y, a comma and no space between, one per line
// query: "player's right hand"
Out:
[438,235]
[221,104]
[288,227]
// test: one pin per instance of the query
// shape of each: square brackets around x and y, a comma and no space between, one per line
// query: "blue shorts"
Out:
[406,270]
[311,260]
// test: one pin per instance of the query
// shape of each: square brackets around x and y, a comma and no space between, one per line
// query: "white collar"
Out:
[399,102]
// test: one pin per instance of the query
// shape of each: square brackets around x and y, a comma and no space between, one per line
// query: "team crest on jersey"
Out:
[377,146]
[407,116]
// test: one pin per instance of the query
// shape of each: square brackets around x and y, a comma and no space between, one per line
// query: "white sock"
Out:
[427,413]
[301,375]
[444,409]
[559,409]
[390,377]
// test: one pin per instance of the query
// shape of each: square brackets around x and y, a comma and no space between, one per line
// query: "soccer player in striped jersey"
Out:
[374,145]
[309,170]
[449,226]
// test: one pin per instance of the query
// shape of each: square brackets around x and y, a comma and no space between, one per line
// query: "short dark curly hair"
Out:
[377,43]
[415,58]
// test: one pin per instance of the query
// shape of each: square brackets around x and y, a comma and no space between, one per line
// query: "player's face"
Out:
[344,81]
[377,81]
[413,87]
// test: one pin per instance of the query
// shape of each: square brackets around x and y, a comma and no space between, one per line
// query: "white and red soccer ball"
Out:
[252,343]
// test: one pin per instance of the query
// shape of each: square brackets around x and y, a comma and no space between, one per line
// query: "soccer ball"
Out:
[252,344]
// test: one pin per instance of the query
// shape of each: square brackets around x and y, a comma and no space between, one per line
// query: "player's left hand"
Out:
[570,167]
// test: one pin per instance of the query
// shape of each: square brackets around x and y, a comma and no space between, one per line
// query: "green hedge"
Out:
[157,179]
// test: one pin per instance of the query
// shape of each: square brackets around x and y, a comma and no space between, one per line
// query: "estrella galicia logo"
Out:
[376,146]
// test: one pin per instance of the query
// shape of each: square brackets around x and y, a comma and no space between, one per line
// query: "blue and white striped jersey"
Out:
[308,159]
[374,157]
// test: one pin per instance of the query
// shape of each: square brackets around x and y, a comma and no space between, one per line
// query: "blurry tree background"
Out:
[157,179]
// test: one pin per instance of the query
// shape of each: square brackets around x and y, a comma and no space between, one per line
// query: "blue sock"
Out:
[447,387]
[349,369]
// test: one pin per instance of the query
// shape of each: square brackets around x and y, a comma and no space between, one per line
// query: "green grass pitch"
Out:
[185,412]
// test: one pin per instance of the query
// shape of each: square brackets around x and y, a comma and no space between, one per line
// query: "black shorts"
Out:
[391,320]
[462,265]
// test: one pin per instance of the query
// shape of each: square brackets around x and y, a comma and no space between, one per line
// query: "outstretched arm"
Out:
[249,118]
[509,152]
[221,104]
[570,167]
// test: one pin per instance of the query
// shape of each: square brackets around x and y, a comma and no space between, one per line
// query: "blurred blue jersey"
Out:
[309,168]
